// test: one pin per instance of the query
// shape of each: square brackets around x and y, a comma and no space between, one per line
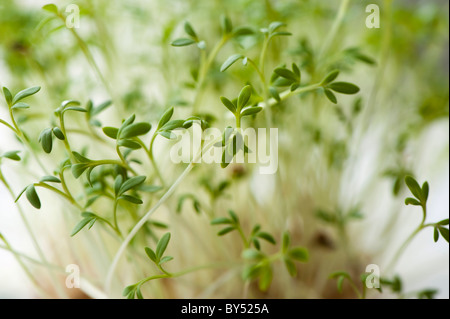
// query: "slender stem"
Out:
[144,219]
[406,243]
[59,192]
[9,126]
[204,68]
[152,160]
[124,162]
[24,267]
[241,232]
[33,237]
[116,225]
[66,139]
[331,35]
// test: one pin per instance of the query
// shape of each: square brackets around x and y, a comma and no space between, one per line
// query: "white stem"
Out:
[144,219]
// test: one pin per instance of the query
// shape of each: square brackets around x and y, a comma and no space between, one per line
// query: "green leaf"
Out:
[8,95]
[129,290]
[425,191]
[12,155]
[412,201]
[296,71]
[150,188]
[290,266]
[50,179]
[110,131]
[162,245]
[294,86]
[221,220]
[79,169]
[135,129]
[251,110]
[131,183]
[233,216]
[130,144]
[330,77]
[80,157]
[443,222]
[413,187]
[167,134]
[33,197]
[436,234]
[21,105]
[189,30]
[265,277]
[101,107]
[267,237]
[252,254]
[338,274]
[117,183]
[182,42]
[80,226]
[227,27]
[299,254]
[225,231]
[287,74]
[75,109]
[230,61]
[273,91]
[165,259]
[275,25]
[243,31]
[251,272]
[58,133]
[131,199]
[344,87]
[165,118]
[285,242]
[229,105]
[171,125]
[51,8]
[330,95]
[444,232]
[45,138]
[25,93]
[244,96]
[151,254]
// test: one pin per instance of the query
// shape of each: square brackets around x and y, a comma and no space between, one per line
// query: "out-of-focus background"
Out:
[338,160]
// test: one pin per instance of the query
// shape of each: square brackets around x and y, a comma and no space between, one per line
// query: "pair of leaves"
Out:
[271,30]
[121,187]
[88,219]
[13,102]
[133,291]
[195,203]
[46,138]
[329,85]
[232,142]
[261,265]
[92,111]
[420,193]
[127,131]
[161,246]
[256,234]
[193,38]
[292,254]
[283,77]
[440,229]
[232,222]
[32,195]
